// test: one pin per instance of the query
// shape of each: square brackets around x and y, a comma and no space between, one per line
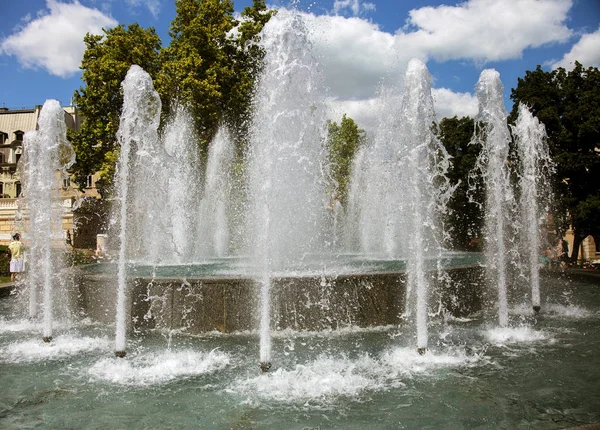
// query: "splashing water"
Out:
[47,152]
[214,205]
[286,208]
[536,169]
[138,138]
[492,164]
[182,163]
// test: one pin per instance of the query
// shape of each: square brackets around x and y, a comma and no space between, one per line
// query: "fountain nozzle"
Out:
[120,354]
[421,351]
[537,309]
[47,339]
[265,366]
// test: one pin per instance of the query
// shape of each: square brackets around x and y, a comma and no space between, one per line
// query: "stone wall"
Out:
[307,303]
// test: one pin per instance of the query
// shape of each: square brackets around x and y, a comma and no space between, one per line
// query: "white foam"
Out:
[569,311]
[319,380]
[406,361]
[33,350]
[157,368]
[327,378]
[19,325]
[509,335]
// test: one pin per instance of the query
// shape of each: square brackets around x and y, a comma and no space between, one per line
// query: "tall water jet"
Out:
[137,164]
[217,194]
[536,170]
[375,211]
[286,205]
[183,163]
[492,163]
[424,165]
[47,156]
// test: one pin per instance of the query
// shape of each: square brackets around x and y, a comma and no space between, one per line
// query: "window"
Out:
[89,182]
[66,183]
[597,243]
[1,190]
[3,138]
[1,157]
[19,135]
[18,186]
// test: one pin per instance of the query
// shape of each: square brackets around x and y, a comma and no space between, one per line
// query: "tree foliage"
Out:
[211,63]
[464,219]
[209,67]
[106,60]
[568,103]
[344,140]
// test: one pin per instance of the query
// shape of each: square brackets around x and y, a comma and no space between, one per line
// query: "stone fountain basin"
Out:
[219,295]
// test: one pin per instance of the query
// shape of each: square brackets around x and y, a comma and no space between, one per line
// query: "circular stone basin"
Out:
[240,267]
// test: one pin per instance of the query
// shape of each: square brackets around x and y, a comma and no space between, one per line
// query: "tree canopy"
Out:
[464,219]
[568,103]
[344,140]
[209,67]
[106,60]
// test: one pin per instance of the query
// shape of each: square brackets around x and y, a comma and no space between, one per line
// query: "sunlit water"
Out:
[539,372]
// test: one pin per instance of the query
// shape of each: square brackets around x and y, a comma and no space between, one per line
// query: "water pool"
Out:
[541,372]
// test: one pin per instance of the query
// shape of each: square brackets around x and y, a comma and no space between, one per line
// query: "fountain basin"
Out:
[203,299]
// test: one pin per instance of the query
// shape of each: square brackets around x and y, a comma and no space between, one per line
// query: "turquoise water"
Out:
[541,373]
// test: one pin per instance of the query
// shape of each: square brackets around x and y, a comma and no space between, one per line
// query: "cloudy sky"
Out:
[358,42]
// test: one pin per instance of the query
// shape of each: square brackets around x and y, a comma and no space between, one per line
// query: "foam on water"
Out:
[318,381]
[569,311]
[327,378]
[18,325]
[406,361]
[158,368]
[502,336]
[34,350]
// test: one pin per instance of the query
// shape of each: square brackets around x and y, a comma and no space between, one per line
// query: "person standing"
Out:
[16,256]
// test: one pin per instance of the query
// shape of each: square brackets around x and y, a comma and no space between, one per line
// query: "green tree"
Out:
[344,140]
[106,60]
[464,219]
[568,103]
[211,63]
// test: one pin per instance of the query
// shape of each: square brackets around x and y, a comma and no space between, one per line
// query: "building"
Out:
[14,123]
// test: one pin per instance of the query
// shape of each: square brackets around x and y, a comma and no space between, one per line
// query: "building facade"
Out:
[14,123]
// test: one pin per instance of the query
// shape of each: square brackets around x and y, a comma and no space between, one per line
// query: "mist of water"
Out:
[136,169]
[492,164]
[215,203]
[536,170]
[47,156]
[286,210]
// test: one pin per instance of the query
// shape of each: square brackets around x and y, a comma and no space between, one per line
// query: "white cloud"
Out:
[54,39]
[586,51]
[447,103]
[363,112]
[356,6]
[152,5]
[356,54]
[485,30]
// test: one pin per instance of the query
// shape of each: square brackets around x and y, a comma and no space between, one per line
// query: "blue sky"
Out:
[358,42]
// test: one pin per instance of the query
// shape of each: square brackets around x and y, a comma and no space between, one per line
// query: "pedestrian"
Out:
[17,264]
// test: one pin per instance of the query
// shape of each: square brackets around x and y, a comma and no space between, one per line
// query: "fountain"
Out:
[536,191]
[47,152]
[286,192]
[492,165]
[337,325]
